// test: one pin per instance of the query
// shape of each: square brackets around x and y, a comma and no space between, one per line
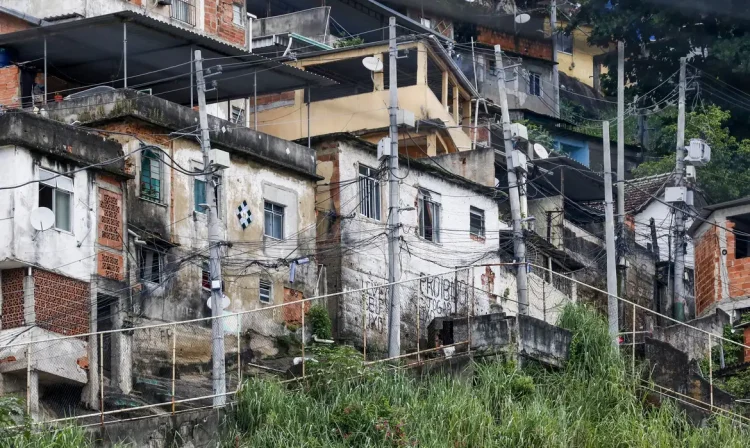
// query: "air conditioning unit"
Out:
[518,160]
[519,132]
[218,158]
[698,152]
[675,194]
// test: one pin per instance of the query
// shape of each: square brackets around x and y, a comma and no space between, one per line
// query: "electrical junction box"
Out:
[690,198]
[218,158]
[518,160]
[519,132]
[698,152]
[406,118]
[675,194]
[384,148]
[690,173]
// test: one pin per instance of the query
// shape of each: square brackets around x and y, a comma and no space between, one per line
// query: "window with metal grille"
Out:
[237,18]
[238,115]
[564,42]
[150,175]
[205,275]
[476,222]
[183,10]
[56,194]
[369,192]
[535,84]
[429,216]
[273,220]
[265,291]
[199,193]
[150,265]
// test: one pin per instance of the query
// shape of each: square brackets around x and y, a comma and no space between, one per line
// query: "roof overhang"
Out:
[159,57]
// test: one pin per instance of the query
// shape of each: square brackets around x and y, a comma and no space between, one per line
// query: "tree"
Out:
[727,176]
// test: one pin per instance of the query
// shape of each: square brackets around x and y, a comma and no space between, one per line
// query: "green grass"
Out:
[591,403]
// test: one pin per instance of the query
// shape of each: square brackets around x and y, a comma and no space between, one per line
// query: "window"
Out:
[199,194]
[476,222]
[205,275]
[184,11]
[535,84]
[150,175]
[274,220]
[564,42]
[429,216]
[369,192]
[427,23]
[265,292]
[238,115]
[56,194]
[741,244]
[237,18]
[150,265]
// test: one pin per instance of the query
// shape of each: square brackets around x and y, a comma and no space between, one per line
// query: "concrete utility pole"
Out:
[555,71]
[621,265]
[612,303]
[519,245]
[217,332]
[678,301]
[394,323]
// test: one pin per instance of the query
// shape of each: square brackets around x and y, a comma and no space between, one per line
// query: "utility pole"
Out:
[394,323]
[612,303]
[519,245]
[555,71]
[678,301]
[217,332]
[621,264]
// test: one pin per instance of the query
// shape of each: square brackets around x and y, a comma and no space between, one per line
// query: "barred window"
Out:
[429,216]
[369,192]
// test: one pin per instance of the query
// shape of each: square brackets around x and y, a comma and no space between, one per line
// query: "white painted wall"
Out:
[66,253]
[664,219]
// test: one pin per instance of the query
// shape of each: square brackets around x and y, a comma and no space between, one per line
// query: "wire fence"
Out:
[167,368]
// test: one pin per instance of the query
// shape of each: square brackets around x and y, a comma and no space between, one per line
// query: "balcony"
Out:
[184,11]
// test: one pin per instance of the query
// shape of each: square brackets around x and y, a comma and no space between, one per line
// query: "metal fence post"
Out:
[632,340]
[239,346]
[364,326]
[471,307]
[419,319]
[302,309]
[101,377]
[28,379]
[174,362]
[710,371]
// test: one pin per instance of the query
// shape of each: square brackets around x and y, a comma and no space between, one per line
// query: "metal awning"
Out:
[149,54]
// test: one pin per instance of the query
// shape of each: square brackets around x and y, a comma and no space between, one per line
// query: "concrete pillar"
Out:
[466,116]
[29,313]
[445,90]
[456,98]
[378,77]
[33,394]
[90,394]
[421,65]
[122,351]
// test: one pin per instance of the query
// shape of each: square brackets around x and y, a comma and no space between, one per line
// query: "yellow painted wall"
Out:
[356,113]
[579,64]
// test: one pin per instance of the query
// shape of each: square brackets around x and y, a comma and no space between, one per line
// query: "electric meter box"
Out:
[384,148]
[519,132]
[406,118]
[518,160]
[690,173]
[698,152]
[675,194]
[218,158]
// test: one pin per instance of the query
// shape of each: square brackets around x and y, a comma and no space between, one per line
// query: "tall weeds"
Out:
[590,403]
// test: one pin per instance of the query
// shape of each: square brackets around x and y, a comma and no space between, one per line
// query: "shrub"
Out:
[320,322]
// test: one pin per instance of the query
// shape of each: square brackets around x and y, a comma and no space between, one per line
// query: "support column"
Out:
[466,115]
[125,52]
[29,313]
[445,90]
[378,80]
[456,98]
[421,65]
[32,383]
[122,351]
[91,389]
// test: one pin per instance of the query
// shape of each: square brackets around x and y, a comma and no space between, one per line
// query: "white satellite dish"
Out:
[373,64]
[225,302]
[523,18]
[540,151]
[42,218]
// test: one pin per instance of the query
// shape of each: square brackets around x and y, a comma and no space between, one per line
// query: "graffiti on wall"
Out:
[375,306]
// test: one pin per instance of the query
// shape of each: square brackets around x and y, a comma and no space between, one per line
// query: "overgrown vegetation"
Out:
[591,403]
[350,42]
[320,322]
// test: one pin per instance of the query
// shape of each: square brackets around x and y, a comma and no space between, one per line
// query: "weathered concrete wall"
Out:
[543,208]
[542,341]
[310,23]
[693,342]
[517,83]
[477,165]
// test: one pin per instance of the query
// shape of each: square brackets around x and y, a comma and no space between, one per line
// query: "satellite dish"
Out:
[42,218]
[523,18]
[540,151]
[224,302]
[373,64]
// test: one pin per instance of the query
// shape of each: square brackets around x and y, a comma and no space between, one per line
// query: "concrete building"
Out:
[722,259]
[53,273]
[448,220]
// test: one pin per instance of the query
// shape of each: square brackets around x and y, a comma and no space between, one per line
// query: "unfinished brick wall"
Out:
[273,100]
[10,86]
[10,24]
[706,270]
[61,303]
[12,311]
[218,21]
[536,48]
[746,335]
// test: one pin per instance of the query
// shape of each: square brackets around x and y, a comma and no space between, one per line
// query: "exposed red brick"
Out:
[61,303]
[10,24]
[12,312]
[109,225]
[536,48]
[218,21]
[10,86]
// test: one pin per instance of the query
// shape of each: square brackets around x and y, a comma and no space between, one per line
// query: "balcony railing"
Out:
[184,11]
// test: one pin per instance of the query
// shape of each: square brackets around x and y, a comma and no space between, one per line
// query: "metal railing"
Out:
[183,10]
